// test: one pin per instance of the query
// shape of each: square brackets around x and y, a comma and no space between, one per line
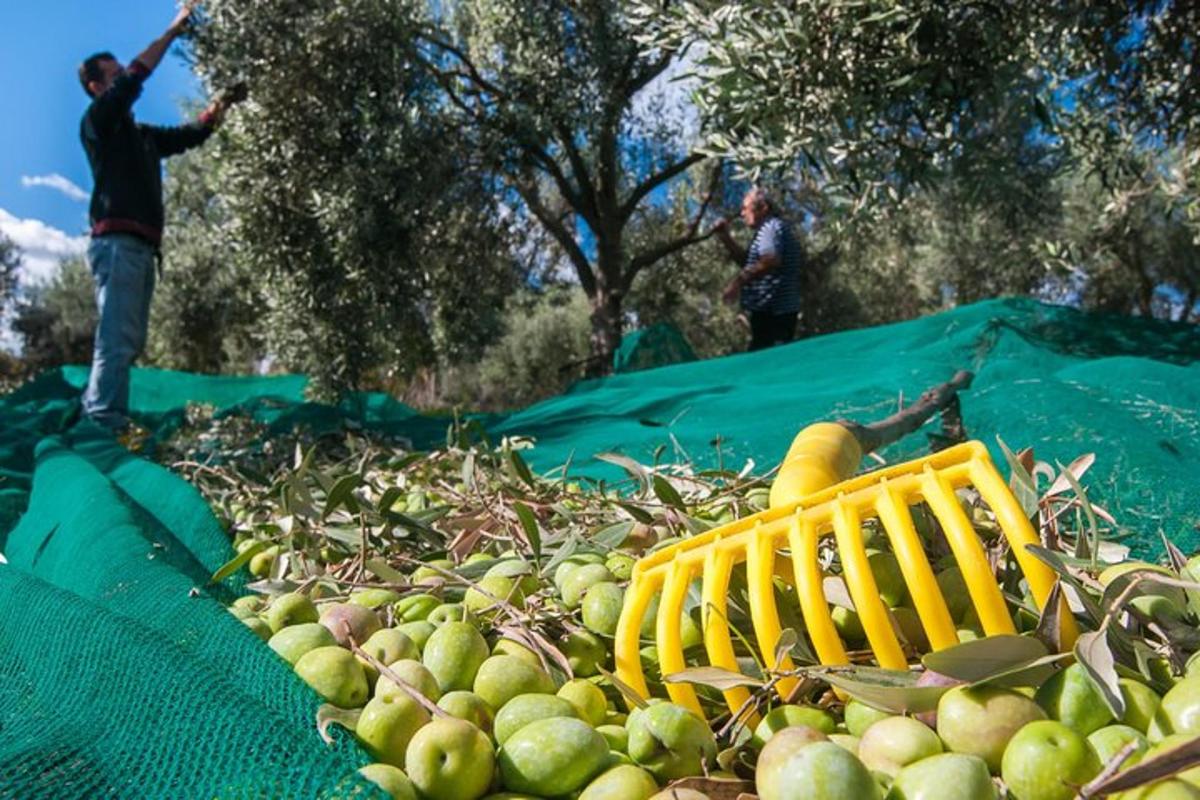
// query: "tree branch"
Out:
[573,196]
[473,73]
[580,199]
[655,254]
[654,181]
[652,71]
[587,189]
[1164,765]
[879,434]
[587,278]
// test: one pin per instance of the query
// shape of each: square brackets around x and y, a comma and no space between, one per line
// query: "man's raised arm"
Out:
[736,253]
[153,54]
[173,141]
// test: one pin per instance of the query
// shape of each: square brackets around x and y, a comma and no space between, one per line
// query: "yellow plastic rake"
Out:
[813,497]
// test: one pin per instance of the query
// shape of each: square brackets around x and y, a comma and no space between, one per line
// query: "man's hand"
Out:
[153,54]
[214,115]
[733,290]
[180,23]
[720,227]
[233,95]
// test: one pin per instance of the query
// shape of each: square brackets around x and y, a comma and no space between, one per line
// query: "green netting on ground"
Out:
[656,346]
[1055,379]
[120,676]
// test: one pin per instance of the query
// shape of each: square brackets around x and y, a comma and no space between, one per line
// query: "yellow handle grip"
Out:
[821,455]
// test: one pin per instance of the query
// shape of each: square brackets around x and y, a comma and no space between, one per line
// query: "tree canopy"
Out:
[10,259]
[865,98]
[420,195]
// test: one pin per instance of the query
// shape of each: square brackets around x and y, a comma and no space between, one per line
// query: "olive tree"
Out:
[342,177]
[553,94]
[209,301]
[10,259]
[56,320]
[868,98]
[859,100]
[1136,94]
[1128,243]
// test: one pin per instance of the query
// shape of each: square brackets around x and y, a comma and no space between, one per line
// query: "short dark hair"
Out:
[89,70]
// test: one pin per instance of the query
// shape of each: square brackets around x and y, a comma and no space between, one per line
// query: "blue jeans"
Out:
[123,268]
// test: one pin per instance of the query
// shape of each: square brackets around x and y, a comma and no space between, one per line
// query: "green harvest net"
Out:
[656,346]
[121,675]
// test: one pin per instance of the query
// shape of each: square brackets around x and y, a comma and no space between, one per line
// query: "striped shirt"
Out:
[778,291]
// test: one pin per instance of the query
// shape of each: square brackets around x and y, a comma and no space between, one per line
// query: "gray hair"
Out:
[761,196]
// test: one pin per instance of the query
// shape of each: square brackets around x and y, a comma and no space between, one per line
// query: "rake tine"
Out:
[803,538]
[626,652]
[1020,533]
[760,569]
[814,492]
[968,552]
[718,566]
[668,635]
[863,590]
[918,575]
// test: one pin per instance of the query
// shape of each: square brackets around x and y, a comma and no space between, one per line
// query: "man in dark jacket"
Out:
[126,213]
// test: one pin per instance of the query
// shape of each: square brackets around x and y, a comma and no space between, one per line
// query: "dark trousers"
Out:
[768,330]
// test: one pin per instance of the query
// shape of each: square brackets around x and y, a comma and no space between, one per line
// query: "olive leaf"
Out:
[1056,562]
[720,679]
[624,688]
[886,689]
[380,569]
[983,658]
[612,536]
[1020,481]
[530,526]
[667,493]
[518,466]
[1093,653]
[1049,627]
[234,564]
[342,494]
[636,470]
[329,714]
[1163,765]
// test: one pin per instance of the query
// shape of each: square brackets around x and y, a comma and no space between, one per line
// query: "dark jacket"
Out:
[124,156]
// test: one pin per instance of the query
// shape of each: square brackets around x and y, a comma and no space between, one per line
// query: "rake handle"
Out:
[894,428]
[828,453]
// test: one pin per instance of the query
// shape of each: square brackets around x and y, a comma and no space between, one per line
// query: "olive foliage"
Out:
[56,320]
[867,99]
[559,101]
[862,100]
[342,173]
[10,259]
[209,301]
[402,169]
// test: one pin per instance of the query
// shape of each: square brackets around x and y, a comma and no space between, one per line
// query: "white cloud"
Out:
[42,246]
[56,182]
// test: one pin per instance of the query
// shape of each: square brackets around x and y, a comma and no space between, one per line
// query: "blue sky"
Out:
[41,45]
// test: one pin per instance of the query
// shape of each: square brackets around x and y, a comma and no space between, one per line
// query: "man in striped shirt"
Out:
[768,284]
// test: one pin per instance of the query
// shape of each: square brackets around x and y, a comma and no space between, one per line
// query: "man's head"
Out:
[756,207]
[97,73]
